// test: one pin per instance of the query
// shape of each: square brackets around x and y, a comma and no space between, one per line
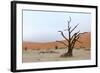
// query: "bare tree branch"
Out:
[74,41]
[75,34]
[69,20]
[74,28]
[67,29]
[63,35]
[75,38]
[69,23]
[62,43]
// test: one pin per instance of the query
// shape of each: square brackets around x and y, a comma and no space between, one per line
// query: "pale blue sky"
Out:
[40,26]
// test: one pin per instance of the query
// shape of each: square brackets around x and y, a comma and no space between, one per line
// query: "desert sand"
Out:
[39,52]
[54,55]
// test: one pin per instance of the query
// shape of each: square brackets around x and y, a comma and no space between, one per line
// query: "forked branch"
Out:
[63,35]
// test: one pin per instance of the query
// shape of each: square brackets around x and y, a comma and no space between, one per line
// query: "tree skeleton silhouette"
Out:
[72,39]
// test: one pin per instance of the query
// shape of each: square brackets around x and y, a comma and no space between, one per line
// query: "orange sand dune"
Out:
[85,39]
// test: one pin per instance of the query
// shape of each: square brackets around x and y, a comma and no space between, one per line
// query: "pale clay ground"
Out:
[54,55]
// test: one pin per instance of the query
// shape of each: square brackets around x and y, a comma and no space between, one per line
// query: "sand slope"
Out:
[85,39]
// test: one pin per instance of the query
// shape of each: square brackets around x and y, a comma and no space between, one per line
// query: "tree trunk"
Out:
[68,54]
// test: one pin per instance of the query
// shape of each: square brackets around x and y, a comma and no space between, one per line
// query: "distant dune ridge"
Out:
[85,39]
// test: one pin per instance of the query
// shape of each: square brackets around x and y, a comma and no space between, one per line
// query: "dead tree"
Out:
[25,48]
[71,40]
[56,47]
